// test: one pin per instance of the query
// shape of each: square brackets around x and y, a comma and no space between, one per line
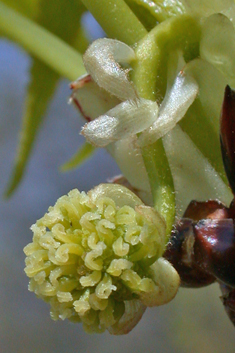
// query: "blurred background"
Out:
[194,321]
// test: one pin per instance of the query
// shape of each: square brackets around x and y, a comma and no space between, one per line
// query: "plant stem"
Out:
[176,33]
[117,20]
[150,77]
[41,43]
[161,181]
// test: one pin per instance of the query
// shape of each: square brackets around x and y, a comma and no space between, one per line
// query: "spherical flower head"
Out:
[96,259]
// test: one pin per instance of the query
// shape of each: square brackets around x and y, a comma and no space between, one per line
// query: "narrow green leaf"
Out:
[27,8]
[47,47]
[63,20]
[78,158]
[37,99]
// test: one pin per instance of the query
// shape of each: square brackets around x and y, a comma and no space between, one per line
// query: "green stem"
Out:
[117,20]
[161,181]
[176,33]
[150,77]
[41,43]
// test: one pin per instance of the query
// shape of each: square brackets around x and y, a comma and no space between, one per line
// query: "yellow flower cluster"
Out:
[90,257]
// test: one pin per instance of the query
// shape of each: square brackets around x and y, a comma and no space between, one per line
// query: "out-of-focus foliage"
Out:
[63,19]
[28,8]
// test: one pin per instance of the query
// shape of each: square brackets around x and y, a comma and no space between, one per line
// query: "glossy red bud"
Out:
[214,248]
[212,209]
[180,252]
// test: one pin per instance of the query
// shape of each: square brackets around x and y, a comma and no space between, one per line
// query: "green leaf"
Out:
[62,19]
[41,43]
[78,158]
[27,8]
[35,107]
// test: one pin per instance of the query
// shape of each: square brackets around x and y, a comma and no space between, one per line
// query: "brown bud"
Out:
[227,135]
[228,299]
[214,248]
[180,252]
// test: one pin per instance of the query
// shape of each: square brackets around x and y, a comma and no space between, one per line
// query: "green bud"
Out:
[93,258]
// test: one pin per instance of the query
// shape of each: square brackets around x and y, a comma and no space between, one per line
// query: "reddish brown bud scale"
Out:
[180,252]
[227,135]
[212,209]
[214,248]
[202,245]
[228,299]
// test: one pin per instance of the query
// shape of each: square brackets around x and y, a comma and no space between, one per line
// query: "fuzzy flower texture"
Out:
[96,258]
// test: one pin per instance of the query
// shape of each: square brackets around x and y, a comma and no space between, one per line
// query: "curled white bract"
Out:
[102,61]
[127,122]
[134,115]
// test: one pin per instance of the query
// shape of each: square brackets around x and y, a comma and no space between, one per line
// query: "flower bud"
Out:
[92,258]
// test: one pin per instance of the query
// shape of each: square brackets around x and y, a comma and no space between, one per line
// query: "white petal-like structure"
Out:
[173,108]
[126,119]
[102,61]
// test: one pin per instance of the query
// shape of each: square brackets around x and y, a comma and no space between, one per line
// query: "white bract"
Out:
[134,114]
[116,114]
[173,108]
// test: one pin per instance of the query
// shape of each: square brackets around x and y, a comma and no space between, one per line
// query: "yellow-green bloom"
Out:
[96,258]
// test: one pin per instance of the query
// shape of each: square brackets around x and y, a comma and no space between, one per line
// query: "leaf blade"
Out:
[44,80]
[32,120]
[53,51]
[78,158]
